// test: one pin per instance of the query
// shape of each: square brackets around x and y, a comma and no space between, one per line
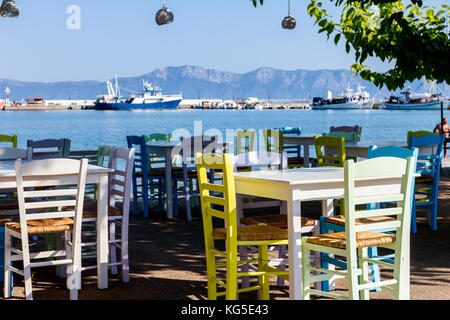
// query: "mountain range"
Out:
[196,82]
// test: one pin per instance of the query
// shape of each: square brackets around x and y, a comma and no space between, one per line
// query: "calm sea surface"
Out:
[89,128]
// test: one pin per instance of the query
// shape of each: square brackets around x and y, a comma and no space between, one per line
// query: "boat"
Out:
[364,96]
[341,102]
[416,101]
[151,97]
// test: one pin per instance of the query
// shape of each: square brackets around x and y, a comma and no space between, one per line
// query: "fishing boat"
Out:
[416,101]
[151,97]
[341,102]
[364,96]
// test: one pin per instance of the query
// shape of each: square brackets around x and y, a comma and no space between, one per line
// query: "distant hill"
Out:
[198,82]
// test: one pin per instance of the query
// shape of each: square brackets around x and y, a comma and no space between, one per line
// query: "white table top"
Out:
[300,176]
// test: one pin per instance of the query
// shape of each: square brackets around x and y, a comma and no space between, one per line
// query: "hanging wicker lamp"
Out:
[9,9]
[289,21]
[164,15]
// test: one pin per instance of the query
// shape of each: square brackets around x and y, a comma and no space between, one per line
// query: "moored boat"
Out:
[416,101]
[342,102]
[151,97]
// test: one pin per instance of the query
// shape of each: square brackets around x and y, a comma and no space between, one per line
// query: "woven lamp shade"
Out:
[164,16]
[9,9]
[288,22]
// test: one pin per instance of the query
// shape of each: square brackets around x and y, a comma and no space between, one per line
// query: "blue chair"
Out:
[293,150]
[428,165]
[331,224]
[148,183]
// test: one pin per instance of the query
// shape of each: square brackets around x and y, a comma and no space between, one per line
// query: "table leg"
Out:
[168,167]
[306,155]
[102,233]
[295,250]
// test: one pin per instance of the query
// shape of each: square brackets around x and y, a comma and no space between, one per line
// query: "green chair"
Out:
[356,129]
[419,133]
[330,151]
[348,136]
[363,236]
[12,139]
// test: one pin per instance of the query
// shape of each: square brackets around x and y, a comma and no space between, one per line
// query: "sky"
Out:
[121,37]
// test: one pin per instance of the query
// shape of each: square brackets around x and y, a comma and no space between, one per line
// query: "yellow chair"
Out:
[219,201]
[325,154]
[274,142]
[245,141]
[12,139]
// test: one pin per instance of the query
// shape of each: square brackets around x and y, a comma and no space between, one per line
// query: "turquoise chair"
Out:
[329,224]
[428,165]
[292,149]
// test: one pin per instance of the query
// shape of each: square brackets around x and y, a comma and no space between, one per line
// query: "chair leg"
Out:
[7,262]
[413,216]
[27,272]
[263,259]
[145,197]
[135,197]
[245,281]
[306,264]
[112,247]
[160,194]
[352,277]
[433,212]
[374,268]
[282,255]
[124,253]
[365,273]
[187,198]
[231,282]
[212,275]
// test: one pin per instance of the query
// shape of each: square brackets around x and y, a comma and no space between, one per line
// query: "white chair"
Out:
[249,161]
[121,161]
[43,217]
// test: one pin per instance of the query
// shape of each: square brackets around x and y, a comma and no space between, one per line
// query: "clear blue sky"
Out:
[119,36]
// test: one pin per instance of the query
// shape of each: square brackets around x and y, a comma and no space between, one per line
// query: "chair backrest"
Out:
[273,140]
[392,170]
[356,129]
[15,153]
[50,148]
[324,146]
[141,154]
[158,137]
[91,155]
[218,199]
[348,136]
[430,147]
[290,130]
[122,161]
[245,141]
[252,159]
[391,151]
[12,139]
[190,146]
[50,173]
[419,133]
[104,153]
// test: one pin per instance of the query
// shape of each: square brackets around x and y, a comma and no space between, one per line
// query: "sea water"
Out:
[87,129]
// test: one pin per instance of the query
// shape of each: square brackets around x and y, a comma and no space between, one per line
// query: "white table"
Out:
[305,184]
[95,175]
[357,149]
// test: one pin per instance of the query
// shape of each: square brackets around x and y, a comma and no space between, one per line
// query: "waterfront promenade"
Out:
[170,264]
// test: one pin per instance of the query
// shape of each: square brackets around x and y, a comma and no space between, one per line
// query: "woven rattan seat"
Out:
[43,226]
[3,221]
[9,204]
[277,220]
[424,179]
[254,233]
[91,211]
[296,160]
[190,175]
[157,172]
[363,239]
[340,220]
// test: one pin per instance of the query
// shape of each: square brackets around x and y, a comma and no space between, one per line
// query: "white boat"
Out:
[342,102]
[416,101]
[367,102]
